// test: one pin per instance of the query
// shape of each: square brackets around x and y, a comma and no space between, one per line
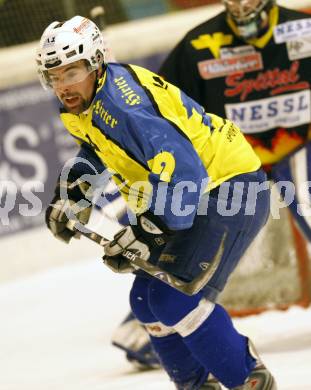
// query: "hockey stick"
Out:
[189,288]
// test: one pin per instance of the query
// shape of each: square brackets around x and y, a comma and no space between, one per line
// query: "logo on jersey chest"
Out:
[289,110]
[226,66]
[292,30]
[235,51]
[299,48]
[213,42]
[104,114]
[278,81]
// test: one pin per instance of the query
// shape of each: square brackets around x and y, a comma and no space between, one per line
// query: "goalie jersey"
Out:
[149,133]
[262,85]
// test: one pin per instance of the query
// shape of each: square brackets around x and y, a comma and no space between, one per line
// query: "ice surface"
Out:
[55,330]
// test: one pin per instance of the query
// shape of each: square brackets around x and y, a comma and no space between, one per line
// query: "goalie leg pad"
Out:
[132,337]
[295,169]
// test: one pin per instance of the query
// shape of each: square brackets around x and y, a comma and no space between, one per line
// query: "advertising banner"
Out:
[33,148]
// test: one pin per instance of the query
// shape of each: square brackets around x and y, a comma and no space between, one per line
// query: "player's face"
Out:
[241,8]
[74,85]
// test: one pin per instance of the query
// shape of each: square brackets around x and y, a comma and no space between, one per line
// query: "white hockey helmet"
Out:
[63,43]
[249,16]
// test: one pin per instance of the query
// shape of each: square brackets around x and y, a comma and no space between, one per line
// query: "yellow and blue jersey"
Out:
[155,139]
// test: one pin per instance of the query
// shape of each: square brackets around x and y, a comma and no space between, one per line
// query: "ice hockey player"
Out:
[251,64]
[194,184]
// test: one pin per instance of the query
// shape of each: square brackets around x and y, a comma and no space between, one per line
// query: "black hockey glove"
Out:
[69,203]
[149,233]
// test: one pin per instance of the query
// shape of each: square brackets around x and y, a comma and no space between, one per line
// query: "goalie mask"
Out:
[250,17]
[63,43]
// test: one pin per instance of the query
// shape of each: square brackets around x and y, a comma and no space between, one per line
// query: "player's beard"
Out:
[75,104]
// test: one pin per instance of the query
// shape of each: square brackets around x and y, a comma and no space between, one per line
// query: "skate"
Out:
[260,378]
[143,359]
[211,384]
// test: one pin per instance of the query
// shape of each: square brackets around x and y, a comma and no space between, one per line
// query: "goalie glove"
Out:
[73,206]
[149,233]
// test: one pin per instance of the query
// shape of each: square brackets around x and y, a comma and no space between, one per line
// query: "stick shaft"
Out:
[189,288]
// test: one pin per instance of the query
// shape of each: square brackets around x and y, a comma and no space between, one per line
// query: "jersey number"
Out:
[163,164]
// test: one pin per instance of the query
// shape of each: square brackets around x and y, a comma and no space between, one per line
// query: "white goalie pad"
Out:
[296,169]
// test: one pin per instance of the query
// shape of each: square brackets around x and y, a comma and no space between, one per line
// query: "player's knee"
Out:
[139,300]
[169,305]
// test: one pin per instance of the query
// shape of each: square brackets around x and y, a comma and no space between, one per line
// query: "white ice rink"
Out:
[55,330]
